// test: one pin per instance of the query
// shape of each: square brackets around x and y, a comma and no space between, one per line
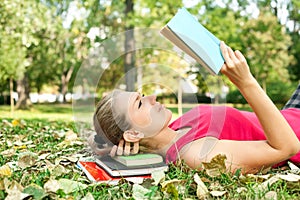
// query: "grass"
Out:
[40,111]
[41,145]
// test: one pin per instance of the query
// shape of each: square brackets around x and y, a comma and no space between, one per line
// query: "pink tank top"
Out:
[225,123]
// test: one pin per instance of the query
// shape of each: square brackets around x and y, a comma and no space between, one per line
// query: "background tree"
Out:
[265,43]
[293,22]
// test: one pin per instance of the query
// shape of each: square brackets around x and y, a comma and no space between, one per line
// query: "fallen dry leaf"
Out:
[267,183]
[294,168]
[216,166]
[139,192]
[51,186]
[71,136]
[68,186]
[8,152]
[14,190]
[88,196]
[35,191]
[5,171]
[59,170]
[27,159]
[241,189]
[289,177]
[271,195]
[173,188]
[202,191]
[217,193]
[158,176]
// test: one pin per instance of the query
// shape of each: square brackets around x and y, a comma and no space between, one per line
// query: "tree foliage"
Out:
[45,42]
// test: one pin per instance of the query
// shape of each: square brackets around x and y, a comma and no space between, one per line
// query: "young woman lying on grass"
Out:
[251,141]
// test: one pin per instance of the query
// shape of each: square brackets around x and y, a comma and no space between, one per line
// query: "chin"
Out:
[168,115]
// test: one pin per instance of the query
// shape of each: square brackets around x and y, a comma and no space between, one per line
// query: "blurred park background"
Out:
[43,44]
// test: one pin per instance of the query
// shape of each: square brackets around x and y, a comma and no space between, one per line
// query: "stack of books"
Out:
[134,168]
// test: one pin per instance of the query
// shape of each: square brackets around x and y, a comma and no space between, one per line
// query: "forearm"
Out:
[278,132]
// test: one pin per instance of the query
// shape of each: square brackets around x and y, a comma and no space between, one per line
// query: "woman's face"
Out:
[145,114]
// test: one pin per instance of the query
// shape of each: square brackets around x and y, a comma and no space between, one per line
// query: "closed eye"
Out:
[140,103]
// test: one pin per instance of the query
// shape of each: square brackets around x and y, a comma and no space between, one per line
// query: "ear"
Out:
[132,136]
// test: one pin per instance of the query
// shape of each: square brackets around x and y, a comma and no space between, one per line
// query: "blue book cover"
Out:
[202,45]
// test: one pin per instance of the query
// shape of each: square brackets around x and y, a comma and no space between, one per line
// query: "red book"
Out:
[96,174]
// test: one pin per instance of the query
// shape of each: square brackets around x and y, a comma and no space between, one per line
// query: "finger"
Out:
[135,149]
[231,53]
[224,50]
[120,148]
[127,148]
[113,151]
[239,55]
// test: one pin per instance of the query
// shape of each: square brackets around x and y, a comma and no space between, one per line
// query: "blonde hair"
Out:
[110,124]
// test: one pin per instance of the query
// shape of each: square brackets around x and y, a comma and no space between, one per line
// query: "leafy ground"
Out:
[38,161]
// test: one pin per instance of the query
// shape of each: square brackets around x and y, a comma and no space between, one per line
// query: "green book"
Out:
[184,31]
[139,159]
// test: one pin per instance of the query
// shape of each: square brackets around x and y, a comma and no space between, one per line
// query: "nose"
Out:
[151,99]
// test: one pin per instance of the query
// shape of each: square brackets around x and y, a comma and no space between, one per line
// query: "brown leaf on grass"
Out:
[43,156]
[294,168]
[71,136]
[27,159]
[14,190]
[173,187]
[51,186]
[216,166]
[88,196]
[215,193]
[272,195]
[69,186]
[241,189]
[59,170]
[8,152]
[267,183]
[139,192]
[289,177]
[7,123]
[158,176]
[202,191]
[2,184]
[71,139]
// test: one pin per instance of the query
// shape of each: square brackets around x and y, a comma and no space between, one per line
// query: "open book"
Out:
[189,35]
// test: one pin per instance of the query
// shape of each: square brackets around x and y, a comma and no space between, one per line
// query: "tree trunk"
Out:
[11,92]
[23,93]
[129,64]
[65,79]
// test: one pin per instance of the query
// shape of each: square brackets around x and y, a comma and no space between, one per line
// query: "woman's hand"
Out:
[236,67]
[123,148]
